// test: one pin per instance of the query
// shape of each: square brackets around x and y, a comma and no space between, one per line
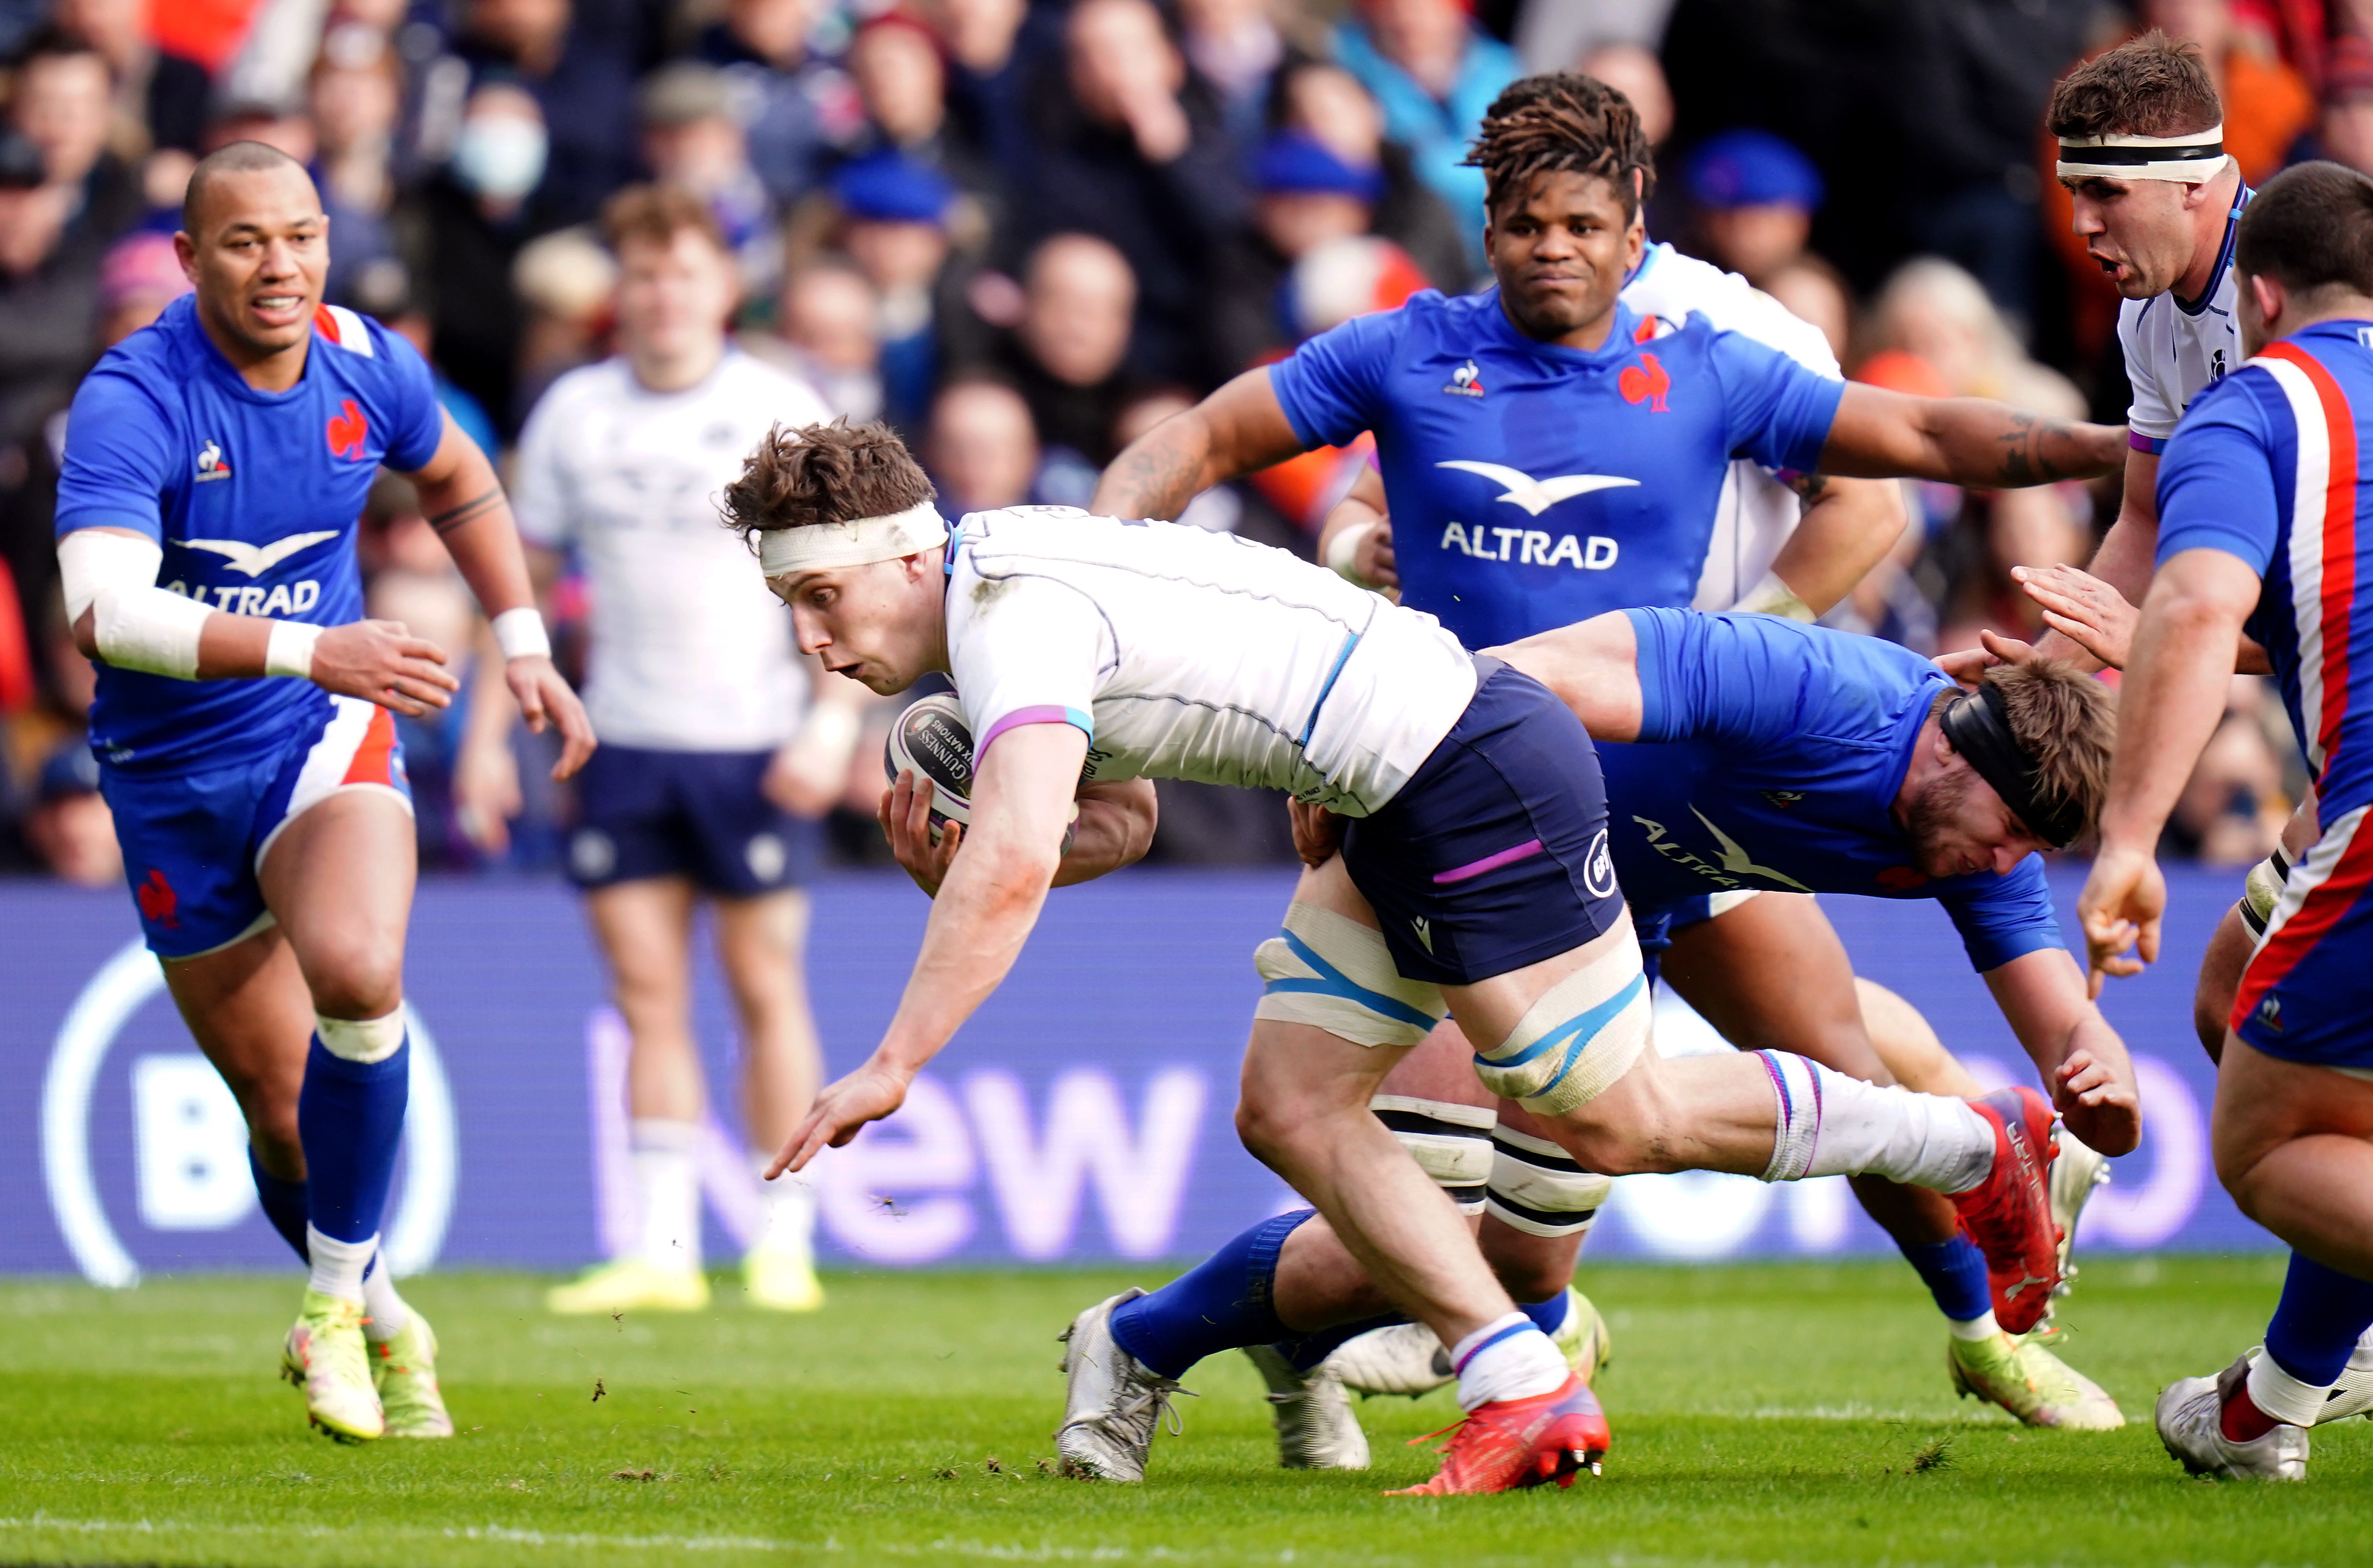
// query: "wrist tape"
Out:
[519,634]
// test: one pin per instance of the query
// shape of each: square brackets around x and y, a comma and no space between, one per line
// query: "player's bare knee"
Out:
[362,980]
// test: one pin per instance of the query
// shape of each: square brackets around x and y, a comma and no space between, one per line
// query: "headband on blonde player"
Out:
[860,541]
[2191,157]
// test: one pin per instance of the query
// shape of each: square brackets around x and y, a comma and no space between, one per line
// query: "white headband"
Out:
[2192,158]
[783,553]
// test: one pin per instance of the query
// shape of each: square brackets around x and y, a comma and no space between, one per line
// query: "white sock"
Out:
[2281,1395]
[338,1265]
[1830,1124]
[669,1188]
[1507,1359]
[1982,1327]
[384,1313]
[790,1227]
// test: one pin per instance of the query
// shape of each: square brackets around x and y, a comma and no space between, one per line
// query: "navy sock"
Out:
[1955,1273]
[1311,1349]
[350,1119]
[1548,1316]
[284,1204]
[2318,1322]
[1223,1302]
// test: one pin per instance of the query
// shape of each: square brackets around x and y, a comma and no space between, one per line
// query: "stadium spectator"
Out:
[800,110]
[1813,291]
[357,98]
[48,290]
[2267,104]
[1324,101]
[137,278]
[409,577]
[902,83]
[1755,196]
[160,98]
[1236,47]
[68,829]
[1433,73]
[1067,353]
[983,451]
[1634,71]
[2232,809]
[1305,196]
[987,74]
[1129,147]
[64,99]
[566,284]
[828,333]
[894,228]
[2346,131]
[580,84]
[691,140]
[1936,312]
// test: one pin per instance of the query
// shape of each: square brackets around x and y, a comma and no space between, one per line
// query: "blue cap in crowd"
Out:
[1748,168]
[1292,163]
[890,187]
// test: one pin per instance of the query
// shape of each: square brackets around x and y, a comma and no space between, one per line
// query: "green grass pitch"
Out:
[1791,1413]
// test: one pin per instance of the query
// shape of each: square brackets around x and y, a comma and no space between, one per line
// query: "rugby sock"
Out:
[1548,1316]
[789,1230]
[1830,1124]
[1955,1273]
[2314,1331]
[384,1312]
[282,1201]
[1225,1301]
[350,1121]
[337,1266]
[1507,1359]
[668,1187]
[1305,1354]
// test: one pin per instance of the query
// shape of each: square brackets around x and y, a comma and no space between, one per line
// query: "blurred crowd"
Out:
[1022,231]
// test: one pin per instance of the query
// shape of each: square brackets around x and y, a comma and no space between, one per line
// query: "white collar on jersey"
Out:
[2192,158]
[784,552]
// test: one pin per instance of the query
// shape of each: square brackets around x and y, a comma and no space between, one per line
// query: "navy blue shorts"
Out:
[1494,855]
[700,815]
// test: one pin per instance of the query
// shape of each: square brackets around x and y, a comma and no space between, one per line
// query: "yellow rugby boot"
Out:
[324,1356]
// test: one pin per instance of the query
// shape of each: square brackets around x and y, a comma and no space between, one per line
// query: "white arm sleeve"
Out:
[139,625]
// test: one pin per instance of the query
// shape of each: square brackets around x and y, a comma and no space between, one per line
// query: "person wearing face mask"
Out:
[460,232]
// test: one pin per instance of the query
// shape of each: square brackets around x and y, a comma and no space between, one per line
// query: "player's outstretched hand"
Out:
[906,818]
[382,662]
[866,1094]
[1970,666]
[2119,910]
[1318,832]
[2083,609]
[2099,1104]
[1374,560]
[545,698]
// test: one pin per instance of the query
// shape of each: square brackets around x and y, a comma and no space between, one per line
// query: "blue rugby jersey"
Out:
[1769,755]
[2267,466]
[254,497]
[1533,486]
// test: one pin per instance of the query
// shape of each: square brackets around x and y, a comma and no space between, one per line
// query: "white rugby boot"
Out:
[2189,1424]
[1112,1402]
[1405,1358]
[2079,1170]
[1315,1428]
[2353,1395]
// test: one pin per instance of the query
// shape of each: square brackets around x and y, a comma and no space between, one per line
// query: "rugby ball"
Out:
[932,738]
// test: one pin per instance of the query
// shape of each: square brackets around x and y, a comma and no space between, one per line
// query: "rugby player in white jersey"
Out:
[700,696]
[1140,650]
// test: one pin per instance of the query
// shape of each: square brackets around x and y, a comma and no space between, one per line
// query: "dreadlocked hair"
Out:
[1563,123]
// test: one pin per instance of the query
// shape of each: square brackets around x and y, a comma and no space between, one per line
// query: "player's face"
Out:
[674,298]
[258,258]
[2139,231]
[878,624]
[1960,827]
[1561,255]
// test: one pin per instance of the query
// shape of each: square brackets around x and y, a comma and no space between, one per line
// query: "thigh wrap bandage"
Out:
[1451,1142]
[1336,974]
[1537,1187]
[1582,1034]
[2264,891]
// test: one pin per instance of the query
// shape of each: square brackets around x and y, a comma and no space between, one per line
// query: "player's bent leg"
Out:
[2235,937]
[644,926]
[759,942]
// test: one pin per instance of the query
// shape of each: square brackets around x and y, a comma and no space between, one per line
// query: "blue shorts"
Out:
[1494,855]
[2307,994]
[1658,926]
[700,815]
[193,842]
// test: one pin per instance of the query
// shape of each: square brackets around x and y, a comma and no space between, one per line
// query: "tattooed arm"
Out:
[1970,441]
[465,503]
[1236,430]
[1848,526]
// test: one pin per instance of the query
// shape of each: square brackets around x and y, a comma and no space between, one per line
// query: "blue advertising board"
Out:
[1083,1115]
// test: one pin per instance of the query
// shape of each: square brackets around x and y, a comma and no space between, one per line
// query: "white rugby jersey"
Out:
[691,651]
[1757,513]
[1189,654]
[2174,352]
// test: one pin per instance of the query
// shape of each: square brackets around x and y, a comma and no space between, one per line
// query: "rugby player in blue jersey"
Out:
[2264,532]
[1743,751]
[215,465]
[1549,455]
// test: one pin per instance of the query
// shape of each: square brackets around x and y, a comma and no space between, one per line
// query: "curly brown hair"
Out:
[1562,122]
[2150,86]
[823,473]
[2065,720]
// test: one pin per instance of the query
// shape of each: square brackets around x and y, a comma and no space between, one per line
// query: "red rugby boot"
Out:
[2009,1213]
[1510,1444]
